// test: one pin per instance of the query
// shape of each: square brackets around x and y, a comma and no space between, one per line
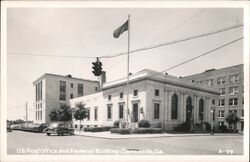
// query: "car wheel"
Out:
[48,134]
[59,134]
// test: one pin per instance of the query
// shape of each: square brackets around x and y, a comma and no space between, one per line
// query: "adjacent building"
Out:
[53,90]
[229,82]
[166,101]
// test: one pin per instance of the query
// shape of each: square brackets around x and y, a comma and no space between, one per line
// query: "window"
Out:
[71,85]
[221,80]
[209,82]
[109,97]
[233,90]
[242,112]
[109,112]
[96,113]
[213,101]
[71,96]
[221,123]
[201,109]
[62,89]
[222,102]
[233,126]
[221,113]
[222,91]
[157,92]
[121,95]
[88,114]
[75,126]
[233,101]
[96,89]
[234,78]
[233,112]
[135,93]
[174,107]
[156,110]
[121,110]
[242,100]
[36,92]
[80,90]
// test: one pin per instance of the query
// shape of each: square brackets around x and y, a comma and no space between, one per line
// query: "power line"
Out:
[206,53]
[140,49]
[196,57]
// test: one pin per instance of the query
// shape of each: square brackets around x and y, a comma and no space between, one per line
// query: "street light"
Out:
[212,123]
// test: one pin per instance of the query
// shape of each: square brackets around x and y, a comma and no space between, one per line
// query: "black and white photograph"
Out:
[123,81]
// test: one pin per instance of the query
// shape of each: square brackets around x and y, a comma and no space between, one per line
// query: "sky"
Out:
[89,32]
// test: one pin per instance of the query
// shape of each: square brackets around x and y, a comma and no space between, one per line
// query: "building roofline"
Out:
[64,76]
[185,85]
[212,70]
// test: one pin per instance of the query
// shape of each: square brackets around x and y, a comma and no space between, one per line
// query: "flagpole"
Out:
[128,71]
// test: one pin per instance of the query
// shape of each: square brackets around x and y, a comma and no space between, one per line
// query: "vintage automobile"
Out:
[38,127]
[59,129]
[9,128]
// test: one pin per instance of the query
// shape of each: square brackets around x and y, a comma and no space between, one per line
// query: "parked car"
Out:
[38,127]
[16,126]
[27,127]
[9,128]
[59,129]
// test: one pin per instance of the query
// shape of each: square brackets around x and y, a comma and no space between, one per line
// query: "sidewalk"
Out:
[108,135]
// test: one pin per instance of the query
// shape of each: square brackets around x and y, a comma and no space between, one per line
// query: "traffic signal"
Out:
[97,67]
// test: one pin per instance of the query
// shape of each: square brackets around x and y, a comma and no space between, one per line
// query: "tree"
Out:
[54,115]
[232,118]
[81,112]
[64,114]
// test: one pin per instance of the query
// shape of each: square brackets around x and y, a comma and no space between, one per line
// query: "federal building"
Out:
[165,100]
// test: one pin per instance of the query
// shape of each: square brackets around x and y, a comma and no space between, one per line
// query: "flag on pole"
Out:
[120,30]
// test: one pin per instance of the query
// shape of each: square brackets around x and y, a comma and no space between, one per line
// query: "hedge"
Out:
[136,130]
[143,123]
[97,129]
[146,130]
[120,131]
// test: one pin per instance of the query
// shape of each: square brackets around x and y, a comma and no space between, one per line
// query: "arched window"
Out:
[174,107]
[201,109]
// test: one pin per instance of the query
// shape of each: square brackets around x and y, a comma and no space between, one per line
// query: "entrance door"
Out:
[135,112]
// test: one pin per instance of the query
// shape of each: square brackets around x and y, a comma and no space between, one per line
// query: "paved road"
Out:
[31,143]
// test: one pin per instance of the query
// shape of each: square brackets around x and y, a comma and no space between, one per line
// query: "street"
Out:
[19,142]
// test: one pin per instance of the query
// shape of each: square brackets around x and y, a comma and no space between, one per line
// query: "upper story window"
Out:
[232,111]
[62,90]
[109,97]
[121,95]
[233,90]
[80,89]
[221,113]
[221,80]
[135,93]
[209,82]
[157,92]
[213,101]
[222,102]
[222,91]
[233,101]
[71,85]
[39,86]
[234,78]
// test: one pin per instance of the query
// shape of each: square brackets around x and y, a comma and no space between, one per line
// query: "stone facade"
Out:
[161,99]
[47,92]
[229,82]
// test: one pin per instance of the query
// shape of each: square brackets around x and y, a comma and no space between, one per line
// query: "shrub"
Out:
[143,123]
[208,126]
[116,123]
[120,131]
[97,129]
[184,127]
[146,130]
[223,128]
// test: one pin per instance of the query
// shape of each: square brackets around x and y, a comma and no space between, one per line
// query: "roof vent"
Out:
[209,70]
[68,76]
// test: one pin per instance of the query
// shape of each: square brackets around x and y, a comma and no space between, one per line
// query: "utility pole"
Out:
[26,109]
[127,116]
